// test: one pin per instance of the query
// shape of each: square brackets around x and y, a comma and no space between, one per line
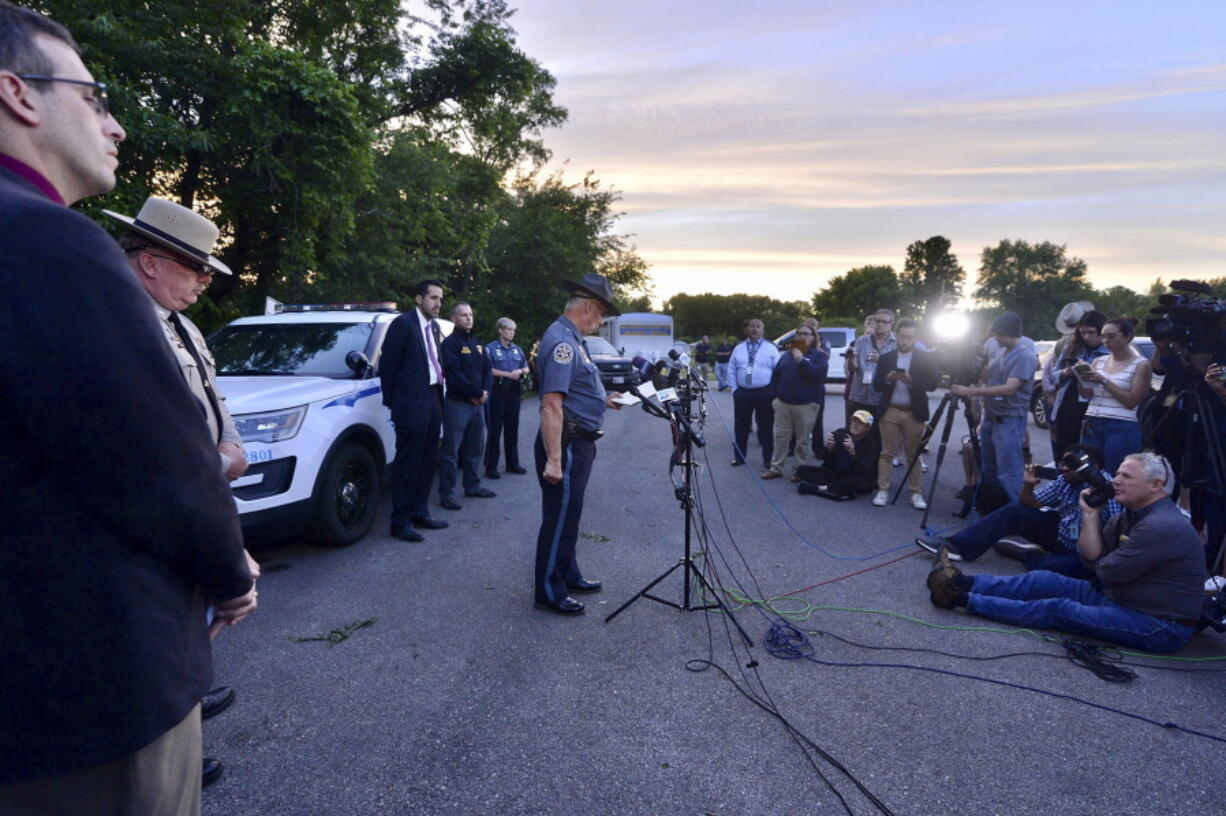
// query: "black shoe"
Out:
[449,504]
[406,533]
[480,493]
[1018,549]
[566,606]
[517,470]
[933,544]
[738,462]
[583,586]
[427,523]
[941,588]
[216,701]
[211,771]
[492,474]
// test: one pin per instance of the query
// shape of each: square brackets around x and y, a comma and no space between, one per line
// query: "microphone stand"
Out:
[685,495]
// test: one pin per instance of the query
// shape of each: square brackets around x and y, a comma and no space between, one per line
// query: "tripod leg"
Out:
[719,602]
[936,474]
[644,591]
[929,429]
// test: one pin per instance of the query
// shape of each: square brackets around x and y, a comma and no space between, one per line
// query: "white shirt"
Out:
[427,337]
[901,395]
[757,374]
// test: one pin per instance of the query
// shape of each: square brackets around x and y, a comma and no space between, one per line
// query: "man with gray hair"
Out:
[1148,560]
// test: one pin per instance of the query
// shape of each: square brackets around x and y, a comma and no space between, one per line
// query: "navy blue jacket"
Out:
[466,367]
[404,369]
[798,382]
[117,523]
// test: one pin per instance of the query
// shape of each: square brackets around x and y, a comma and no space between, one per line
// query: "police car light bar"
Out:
[377,306]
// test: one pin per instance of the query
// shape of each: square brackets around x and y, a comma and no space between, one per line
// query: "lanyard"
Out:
[754,353]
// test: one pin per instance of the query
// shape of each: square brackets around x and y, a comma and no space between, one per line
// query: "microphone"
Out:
[646,392]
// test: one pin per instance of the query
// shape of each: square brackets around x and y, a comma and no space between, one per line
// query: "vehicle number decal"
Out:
[263,455]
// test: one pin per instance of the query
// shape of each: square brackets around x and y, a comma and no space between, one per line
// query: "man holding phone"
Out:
[903,378]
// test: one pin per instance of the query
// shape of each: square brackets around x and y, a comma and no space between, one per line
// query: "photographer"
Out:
[1049,516]
[850,466]
[799,380]
[1010,379]
[904,377]
[1147,560]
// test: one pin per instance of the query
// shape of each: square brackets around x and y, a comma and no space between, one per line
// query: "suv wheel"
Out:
[1038,408]
[346,498]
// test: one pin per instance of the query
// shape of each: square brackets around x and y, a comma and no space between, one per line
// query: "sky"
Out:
[767,147]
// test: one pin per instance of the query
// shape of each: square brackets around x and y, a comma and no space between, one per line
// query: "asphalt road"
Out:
[462,699]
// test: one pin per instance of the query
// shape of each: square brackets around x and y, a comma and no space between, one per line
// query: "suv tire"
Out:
[1038,407]
[346,498]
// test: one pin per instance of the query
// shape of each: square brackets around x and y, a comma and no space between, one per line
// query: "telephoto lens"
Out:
[1101,488]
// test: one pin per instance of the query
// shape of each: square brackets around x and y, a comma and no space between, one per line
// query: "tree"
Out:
[1034,281]
[718,315]
[860,291]
[931,278]
[1120,301]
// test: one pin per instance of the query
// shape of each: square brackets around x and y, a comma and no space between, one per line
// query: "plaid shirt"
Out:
[1063,496]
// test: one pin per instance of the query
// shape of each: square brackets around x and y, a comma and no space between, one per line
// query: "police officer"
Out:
[573,402]
[509,365]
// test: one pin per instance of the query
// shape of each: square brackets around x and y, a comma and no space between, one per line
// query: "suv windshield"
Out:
[301,349]
[598,345]
[836,339]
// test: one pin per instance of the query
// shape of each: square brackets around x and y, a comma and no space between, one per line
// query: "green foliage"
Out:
[861,291]
[932,277]
[724,315]
[1034,281]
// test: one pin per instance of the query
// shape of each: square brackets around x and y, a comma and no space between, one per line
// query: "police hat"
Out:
[596,287]
[176,227]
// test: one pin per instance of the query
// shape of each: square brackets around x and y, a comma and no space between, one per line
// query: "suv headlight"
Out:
[273,426]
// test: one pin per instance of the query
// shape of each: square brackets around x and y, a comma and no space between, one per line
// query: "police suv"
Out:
[301,384]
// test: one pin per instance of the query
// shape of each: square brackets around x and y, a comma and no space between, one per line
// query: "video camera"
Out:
[1195,323]
[1101,488]
[959,361]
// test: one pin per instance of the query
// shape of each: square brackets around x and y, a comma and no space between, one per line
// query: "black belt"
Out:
[999,419]
[571,428]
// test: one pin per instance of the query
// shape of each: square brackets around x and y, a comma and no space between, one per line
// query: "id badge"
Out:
[749,377]
[869,371]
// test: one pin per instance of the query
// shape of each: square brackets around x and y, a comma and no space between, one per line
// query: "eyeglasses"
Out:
[102,105]
[885,320]
[194,268]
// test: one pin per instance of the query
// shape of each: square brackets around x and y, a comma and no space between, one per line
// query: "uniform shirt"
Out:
[862,386]
[506,358]
[1018,362]
[195,378]
[723,353]
[752,364]
[566,369]
[1154,562]
[702,352]
[466,369]
[1062,495]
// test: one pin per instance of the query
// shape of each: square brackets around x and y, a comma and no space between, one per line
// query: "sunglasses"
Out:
[101,103]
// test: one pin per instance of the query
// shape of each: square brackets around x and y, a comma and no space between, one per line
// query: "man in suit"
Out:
[411,372]
[119,527]
[903,378]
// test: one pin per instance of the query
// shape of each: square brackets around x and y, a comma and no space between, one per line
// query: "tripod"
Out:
[950,402]
[684,455]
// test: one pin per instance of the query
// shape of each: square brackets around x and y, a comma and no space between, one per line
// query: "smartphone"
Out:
[902,372]
[1082,369]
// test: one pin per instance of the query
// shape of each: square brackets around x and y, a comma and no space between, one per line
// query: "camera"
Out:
[960,362]
[1196,323]
[839,436]
[1047,472]
[1101,488]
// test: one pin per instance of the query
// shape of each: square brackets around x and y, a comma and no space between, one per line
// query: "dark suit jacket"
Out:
[404,368]
[924,378]
[115,516]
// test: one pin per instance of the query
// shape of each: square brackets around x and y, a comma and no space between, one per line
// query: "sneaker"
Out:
[897,462]
[1016,548]
[1215,585]
[917,501]
[941,589]
[881,499]
[933,544]
[923,465]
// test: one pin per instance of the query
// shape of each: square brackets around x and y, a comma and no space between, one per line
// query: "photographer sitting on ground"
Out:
[1148,561]
[850,466]
[1049,516]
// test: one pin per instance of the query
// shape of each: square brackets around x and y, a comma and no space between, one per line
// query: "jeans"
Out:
[721,374]
[1044,600]
[1000,444]
[1116,438]
[1038,526]
[463,430]
[749,404]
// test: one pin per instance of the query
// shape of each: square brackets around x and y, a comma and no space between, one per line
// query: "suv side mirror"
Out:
[357,362]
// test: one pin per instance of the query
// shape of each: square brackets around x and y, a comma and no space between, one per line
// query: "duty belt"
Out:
[571,428]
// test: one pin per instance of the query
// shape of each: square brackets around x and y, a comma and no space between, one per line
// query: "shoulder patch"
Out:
[563,353]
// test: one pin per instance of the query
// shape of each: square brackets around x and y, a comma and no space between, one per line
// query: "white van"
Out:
[639,334]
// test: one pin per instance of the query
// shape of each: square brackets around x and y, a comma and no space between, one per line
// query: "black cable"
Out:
[1089,656]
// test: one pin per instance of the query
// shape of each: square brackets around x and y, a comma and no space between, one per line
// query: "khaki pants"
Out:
[793,419]
[161,779]
[893,423]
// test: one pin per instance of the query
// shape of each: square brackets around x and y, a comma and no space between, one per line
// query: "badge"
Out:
[479,349]
[563,354]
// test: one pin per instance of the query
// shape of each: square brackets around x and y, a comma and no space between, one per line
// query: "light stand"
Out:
[686,438]
[949,401]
